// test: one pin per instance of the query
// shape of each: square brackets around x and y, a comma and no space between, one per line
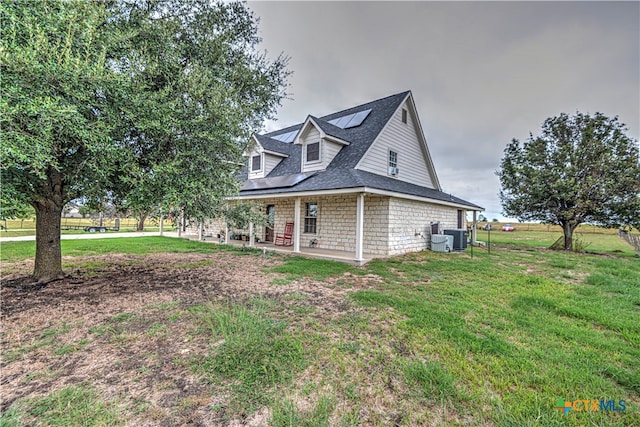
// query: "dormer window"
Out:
[313,152]
[393,163]
[256,163]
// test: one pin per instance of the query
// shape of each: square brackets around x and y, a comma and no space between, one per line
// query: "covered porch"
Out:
[328,254]
[338,233]
[320,253]
[354,225]
[347,225]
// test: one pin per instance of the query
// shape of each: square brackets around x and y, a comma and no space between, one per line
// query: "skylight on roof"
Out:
[286,137]
[351,120]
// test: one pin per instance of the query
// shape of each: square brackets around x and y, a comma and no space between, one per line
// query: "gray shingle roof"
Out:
[332,130]
[340,173]
[353,178]
[360,137]
[275,145]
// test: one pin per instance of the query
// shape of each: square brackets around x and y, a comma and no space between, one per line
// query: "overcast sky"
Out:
[481,73]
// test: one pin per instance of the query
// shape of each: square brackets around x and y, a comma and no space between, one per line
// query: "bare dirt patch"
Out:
[121,324]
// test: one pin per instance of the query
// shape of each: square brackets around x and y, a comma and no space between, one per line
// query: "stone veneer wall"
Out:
[336,222]
[283,214]
[390,223]
[211,227]
[376,225]
[408,217]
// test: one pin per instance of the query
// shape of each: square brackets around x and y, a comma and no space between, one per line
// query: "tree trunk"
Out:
[567,229]
[48,209]
[143,217]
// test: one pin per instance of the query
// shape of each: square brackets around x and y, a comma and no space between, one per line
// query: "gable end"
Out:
[400,151]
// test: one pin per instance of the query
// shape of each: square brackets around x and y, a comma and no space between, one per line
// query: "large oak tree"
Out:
[580,169]
[147,101]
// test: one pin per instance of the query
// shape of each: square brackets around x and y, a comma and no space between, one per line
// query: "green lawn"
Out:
[14,251]
[123,229]
[516,331]
[603,243]
[434,338]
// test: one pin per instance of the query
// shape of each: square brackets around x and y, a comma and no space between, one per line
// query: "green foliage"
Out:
[14,205]
[201,89]
[55,115]
[239,215]
[142,104]
[582,168]
[56,111]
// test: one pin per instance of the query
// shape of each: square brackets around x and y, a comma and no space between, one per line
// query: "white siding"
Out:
[268,162]
[403,139]
[312,135]
[258,173]
[329,150]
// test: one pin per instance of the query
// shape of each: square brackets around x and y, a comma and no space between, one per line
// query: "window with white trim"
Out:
[310,217]
[256,163]
[393,163]
[313,152]
[404,115]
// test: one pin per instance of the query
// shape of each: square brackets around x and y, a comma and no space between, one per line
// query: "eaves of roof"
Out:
[344,179]
[274,145]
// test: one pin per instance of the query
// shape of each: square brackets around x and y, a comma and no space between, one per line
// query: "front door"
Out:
[271,214]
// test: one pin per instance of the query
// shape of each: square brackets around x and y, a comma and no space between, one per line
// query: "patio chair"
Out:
[286,238]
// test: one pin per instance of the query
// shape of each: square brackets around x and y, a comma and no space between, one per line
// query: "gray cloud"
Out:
[481,72]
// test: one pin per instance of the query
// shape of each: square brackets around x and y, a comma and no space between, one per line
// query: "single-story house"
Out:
[360,180]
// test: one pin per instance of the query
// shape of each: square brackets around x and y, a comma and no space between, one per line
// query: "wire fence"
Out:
[631,238]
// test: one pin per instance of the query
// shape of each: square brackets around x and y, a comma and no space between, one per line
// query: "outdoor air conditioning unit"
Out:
[440,243]
[459,238]
[393,170]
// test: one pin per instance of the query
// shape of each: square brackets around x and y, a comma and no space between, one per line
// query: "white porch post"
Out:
[296,225]
[200,230]
[251,234]
[226,233]
[359,227]
[474,227]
